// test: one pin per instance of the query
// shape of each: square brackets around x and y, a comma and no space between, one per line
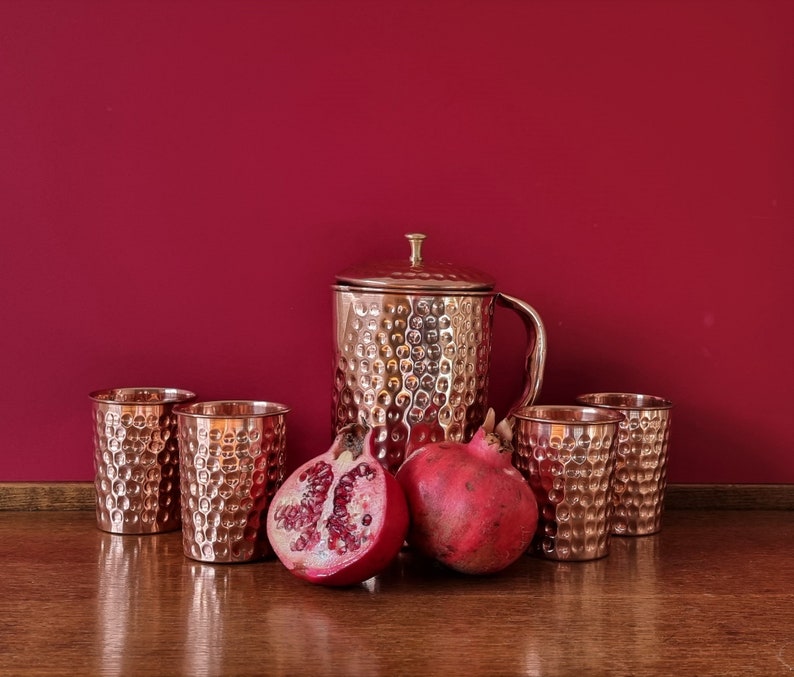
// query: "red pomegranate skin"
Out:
[470,508]
[340,518]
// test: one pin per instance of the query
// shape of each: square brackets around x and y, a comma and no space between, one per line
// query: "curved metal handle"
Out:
[536,349]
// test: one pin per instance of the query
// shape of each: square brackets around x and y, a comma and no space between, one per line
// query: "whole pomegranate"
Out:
[470,508]
[340,518]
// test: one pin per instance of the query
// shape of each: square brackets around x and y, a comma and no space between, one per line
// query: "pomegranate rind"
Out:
[356,543]
[472,516]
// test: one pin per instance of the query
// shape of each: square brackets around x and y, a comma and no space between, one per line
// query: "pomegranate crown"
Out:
[498,433]
[351,438]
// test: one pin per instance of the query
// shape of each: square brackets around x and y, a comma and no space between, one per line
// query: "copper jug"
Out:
[413,348]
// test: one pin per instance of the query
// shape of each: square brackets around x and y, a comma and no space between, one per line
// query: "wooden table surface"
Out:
[712,594]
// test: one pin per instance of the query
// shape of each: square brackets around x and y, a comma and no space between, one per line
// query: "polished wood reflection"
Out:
[712,594]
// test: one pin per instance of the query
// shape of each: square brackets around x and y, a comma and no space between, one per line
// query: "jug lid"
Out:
[416,273]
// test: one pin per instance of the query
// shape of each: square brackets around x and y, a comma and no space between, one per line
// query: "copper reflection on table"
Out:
[587,612]
[131,612]
[206,643]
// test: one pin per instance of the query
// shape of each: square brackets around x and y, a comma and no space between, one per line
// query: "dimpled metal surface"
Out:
[569,464]
[232,465]
[136,459]
[412,365]
[641,464]
[413,348]
[641,473]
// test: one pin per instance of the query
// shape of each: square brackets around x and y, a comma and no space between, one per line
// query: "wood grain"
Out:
[712,594]
[730,497]
[80,496]
[46,496]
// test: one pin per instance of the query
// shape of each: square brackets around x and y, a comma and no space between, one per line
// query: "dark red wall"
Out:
[180,181]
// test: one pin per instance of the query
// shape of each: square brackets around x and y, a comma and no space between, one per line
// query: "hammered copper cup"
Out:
[567,455]
[233,458]
[641,462]
[136,459]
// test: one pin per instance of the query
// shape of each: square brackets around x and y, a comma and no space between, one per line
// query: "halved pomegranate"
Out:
[340,518]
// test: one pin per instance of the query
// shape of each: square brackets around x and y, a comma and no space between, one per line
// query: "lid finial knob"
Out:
[416,240]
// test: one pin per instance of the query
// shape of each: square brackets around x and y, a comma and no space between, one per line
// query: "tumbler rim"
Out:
[568,414]
[225,409]
[623,401]
[163,395]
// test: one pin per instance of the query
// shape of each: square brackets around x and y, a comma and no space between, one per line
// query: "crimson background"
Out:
[180,181]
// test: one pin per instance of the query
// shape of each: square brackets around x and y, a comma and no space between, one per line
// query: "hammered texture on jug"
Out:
[136,462]
[570,469]
[414,366]
[231,468]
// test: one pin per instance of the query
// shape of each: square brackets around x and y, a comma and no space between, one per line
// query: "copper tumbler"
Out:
[233,458]
[567,455]
[136,459]
[641,462]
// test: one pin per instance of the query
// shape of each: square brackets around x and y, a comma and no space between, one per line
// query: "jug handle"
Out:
[535,360]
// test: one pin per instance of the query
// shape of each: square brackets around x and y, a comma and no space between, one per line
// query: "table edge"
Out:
[65,496]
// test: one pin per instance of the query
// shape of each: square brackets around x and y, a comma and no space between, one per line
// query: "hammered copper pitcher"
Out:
[413,348]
